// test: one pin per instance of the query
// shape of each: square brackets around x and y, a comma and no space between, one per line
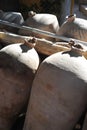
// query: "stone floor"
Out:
[78,13]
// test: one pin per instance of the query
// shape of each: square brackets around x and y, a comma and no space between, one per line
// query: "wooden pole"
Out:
[43,46]
[71,7]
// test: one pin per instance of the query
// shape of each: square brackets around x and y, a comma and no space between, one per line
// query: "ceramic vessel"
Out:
[18,65]
[59,92]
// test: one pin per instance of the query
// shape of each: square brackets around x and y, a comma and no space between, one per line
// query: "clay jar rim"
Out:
[71,18]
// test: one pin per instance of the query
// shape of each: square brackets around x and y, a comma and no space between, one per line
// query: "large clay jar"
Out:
[13,17]
[74,27]
[18,64]
[85,123]
[59,92]
[42,21]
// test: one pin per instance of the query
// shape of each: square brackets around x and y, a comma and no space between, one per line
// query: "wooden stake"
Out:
[72,7]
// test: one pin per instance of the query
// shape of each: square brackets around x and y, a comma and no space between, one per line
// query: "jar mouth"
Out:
[71,18]
[76,47]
